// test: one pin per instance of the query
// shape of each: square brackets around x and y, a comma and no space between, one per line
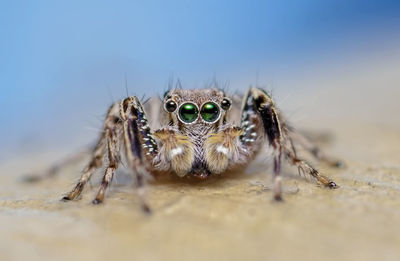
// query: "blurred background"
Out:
[64,62]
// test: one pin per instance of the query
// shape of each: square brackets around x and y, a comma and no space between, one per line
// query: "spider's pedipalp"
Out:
[223,150]
[176,152]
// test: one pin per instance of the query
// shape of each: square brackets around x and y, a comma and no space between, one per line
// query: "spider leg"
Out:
[140,146]
[313,149]
[114,159]
[258,109]
[305,167]
[54,169]
[96,161]
[259,102]
[140,149]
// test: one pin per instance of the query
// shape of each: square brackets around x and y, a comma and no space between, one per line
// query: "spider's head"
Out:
[188,109]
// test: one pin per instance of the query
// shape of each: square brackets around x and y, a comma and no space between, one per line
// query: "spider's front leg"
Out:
[258,104]
[140,146]
[125,121]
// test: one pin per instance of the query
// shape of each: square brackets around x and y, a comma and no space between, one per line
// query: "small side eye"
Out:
[225,104]
[170,106]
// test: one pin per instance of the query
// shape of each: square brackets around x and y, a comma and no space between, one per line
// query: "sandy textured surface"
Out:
[231,217]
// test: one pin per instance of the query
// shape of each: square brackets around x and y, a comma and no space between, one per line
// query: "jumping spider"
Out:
[197,138]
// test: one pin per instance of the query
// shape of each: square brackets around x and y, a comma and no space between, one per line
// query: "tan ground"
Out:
[233,217]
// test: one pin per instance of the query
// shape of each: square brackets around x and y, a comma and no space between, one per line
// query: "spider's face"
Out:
[188,108]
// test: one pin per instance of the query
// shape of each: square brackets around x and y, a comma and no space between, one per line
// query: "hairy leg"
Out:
[305,167]
[127,118]
[140,146]
[259,109]
[114,159]
[304,142]
[53,170]
[110,124]
[258,102]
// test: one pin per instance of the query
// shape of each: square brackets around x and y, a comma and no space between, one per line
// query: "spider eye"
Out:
[188,112]
[209,112]
[170,106]
[225,104]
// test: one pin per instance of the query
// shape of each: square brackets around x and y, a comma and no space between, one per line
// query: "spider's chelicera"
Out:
[203,132]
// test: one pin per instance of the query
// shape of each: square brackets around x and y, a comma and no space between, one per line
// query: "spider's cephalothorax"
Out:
[203,132]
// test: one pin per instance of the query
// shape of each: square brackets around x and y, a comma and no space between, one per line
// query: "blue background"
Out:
[63,62]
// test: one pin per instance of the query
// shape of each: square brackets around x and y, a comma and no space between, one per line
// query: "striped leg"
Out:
[140,146]
[110,123]
[314,150]
[114,159]
[279,138]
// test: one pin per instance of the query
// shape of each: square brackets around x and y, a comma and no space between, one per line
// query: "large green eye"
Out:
[209,112]
[188,112]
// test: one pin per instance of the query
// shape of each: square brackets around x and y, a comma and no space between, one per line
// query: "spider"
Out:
[202,132]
